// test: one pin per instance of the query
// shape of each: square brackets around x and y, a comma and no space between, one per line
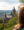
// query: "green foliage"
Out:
[22,1]
[1,18]
[11,22]
[1,24]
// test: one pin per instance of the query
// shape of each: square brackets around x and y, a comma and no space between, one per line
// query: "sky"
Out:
[9,4]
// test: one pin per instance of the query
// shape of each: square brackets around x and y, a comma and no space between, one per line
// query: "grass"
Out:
[10,28]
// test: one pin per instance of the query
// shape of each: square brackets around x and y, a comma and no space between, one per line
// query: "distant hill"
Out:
[2,12]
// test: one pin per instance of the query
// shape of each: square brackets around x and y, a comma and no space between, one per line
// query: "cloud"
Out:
[16,6]
[8,0]
[7,6]
[4,5]
[3,0]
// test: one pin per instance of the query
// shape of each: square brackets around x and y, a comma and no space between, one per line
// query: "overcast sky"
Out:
[8,4]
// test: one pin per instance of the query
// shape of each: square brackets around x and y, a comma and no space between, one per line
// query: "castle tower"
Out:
[5,14]
[14,11]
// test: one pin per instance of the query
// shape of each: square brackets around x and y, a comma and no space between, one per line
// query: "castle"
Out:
[8,17]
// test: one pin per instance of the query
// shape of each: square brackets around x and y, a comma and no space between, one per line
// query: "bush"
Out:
[12,21]
[1,24]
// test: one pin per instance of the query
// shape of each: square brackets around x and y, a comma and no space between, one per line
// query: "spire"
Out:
[5,14]
[14,10]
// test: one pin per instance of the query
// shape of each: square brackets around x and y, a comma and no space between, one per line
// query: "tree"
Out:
[22,1]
